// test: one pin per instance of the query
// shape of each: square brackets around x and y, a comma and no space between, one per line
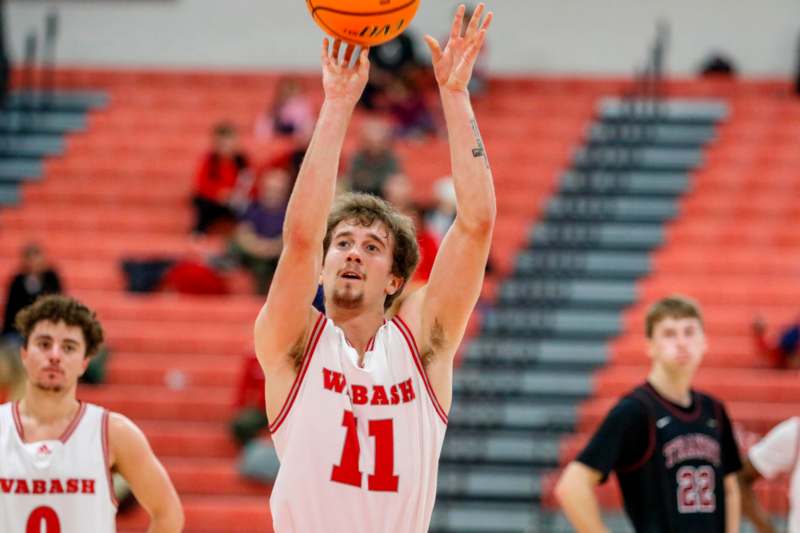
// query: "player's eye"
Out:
[372,248]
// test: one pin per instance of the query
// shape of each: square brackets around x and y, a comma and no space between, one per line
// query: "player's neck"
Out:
[358,326]
[675,388]
[47,406]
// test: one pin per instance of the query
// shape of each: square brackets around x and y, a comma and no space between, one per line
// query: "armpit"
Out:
[296,352]
[435,342]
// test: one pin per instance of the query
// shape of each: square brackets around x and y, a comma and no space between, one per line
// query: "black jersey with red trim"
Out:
[670,461]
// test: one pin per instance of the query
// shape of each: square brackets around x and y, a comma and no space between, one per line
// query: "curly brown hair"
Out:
[675,306]
[364,210]
[58,308]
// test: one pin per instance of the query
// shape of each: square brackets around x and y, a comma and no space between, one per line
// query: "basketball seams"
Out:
[356,14]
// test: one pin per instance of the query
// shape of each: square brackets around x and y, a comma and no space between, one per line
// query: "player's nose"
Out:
[354,255]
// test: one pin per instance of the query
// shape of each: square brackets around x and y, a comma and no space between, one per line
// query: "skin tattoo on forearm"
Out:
[479,151]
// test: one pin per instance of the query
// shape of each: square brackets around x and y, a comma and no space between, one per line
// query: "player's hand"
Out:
[453,65]
[340,80]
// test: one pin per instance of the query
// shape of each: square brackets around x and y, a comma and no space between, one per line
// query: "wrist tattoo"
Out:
[478,151]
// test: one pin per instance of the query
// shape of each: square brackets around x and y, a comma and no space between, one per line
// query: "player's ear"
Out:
[394,284]
[85,364]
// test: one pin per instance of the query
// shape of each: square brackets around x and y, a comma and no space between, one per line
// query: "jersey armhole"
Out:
[651,440]
[313,340]
[107,458]
[412,347]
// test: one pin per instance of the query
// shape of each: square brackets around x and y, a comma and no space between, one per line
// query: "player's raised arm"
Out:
[283,321]
[132,457]
[441,310]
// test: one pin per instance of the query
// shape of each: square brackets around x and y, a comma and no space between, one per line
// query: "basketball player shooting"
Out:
[671,447]
[358,402]
[57,452]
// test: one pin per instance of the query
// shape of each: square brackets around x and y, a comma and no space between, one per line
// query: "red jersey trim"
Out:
[18,420]
[651,442]
[74,424]
[64,436]
[316,333]
[107,458]
[677,413]
[412,345]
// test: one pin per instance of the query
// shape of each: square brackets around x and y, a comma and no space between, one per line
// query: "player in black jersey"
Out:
[671,447]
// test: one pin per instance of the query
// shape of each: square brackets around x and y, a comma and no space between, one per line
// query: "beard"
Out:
[348,298]
[48,388]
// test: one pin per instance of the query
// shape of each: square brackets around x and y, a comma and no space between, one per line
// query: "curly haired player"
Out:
[58,452]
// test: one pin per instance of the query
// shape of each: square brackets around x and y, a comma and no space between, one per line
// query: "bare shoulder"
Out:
[124,437]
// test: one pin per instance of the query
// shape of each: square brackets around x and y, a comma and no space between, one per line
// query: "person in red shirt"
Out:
[217,178]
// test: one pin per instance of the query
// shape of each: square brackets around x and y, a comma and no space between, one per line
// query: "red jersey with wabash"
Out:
[359,447]
[56,486]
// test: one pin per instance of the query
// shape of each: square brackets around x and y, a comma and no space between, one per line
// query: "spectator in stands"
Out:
[783,351]
[250,404]
[217,178]
[12,375]
[441,217]
[35,278]
[291,158]
[291,112]
[256,243]
[257,460]
[391,61]
[718,65]
[397,191]
[375,160]
[775,454]
[409,110]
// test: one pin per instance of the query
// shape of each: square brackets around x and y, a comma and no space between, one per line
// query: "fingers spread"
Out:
[348,53]
[474,20]
[363,61]
[337,45]
[487,21]
[455,30]
[436,50]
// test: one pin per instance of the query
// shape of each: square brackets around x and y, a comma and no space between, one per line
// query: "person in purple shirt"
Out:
[256,243]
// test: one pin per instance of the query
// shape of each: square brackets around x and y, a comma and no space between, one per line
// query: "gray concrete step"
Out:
[509,351]
[625,183]
[581,264]
[611,236]
[607,209]
[30,146]
[583,293]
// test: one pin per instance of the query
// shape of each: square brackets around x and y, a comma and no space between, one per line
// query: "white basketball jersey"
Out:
[359,447]
[56,486]
[779,453]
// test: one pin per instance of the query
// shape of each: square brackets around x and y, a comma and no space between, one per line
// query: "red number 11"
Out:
[347,471]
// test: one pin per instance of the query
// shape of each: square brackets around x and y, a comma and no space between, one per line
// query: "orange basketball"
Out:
[363,22]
